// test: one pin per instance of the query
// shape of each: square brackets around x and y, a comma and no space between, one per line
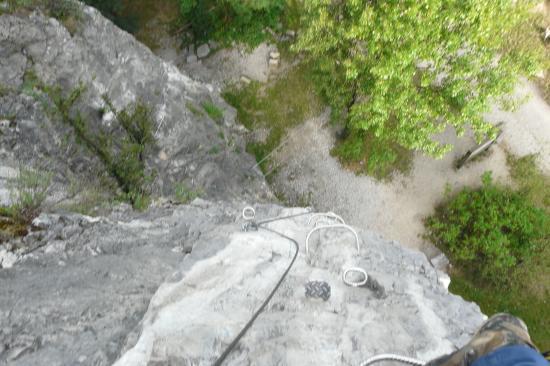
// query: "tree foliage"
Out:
[114,10]
[402,71]
[489,230]
[231,20]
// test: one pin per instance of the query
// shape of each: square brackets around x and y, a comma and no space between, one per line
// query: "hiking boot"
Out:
[499,331]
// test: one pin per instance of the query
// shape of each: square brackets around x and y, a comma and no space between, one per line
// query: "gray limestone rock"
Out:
[120,289]
[123,289]
[108,61]
[203,50]
[81,284]
[192,59]
[404,310]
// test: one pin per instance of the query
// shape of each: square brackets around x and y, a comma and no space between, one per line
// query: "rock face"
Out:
[175,284]
[85,284]
[82,297]
[194,317]
[108,61]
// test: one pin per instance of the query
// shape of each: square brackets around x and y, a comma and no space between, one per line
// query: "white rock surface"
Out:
[7,259]
[192,319]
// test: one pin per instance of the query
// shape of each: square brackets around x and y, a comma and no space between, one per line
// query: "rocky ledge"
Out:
[105,290]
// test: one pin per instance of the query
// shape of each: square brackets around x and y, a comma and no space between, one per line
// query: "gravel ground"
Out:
[527,130]
[396,209]
[229,65]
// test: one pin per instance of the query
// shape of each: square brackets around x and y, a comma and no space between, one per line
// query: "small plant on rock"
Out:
[213,111]
[184,194]
[29,190]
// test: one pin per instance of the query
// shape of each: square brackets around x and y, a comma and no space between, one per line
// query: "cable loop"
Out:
[391,357]
[356,283]
[330,215]
[333,226]
[249,213]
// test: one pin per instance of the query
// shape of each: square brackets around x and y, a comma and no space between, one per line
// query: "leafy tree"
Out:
[231,20]
[402,71]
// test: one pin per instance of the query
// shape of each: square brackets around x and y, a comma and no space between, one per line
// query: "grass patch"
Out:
[68,12]
[214,150]
[184,194]
[526,289]
[530,181]
[213,111]
[4,90]
[368,155]
[196,112]
[514,299]
[29,190]
[277,106]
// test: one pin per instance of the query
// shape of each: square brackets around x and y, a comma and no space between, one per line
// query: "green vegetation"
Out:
[530,181]
[537,30]
[514,299]
[67,12]
[397,73]
[184,194]
[197,112]
[123,158]
[230,20]
[213,111]
[523,289]
[4,90]
[489,230]
[114,10]
[277,107]
[29,190]
[373,157]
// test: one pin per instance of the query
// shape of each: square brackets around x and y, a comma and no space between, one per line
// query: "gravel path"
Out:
[527,131]
[396,209]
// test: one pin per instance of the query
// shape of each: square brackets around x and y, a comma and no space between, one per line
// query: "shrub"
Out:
[488,230]
[231,20]
[29,191]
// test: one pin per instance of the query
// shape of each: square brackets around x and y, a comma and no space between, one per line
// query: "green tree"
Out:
[231,20]
[398,72]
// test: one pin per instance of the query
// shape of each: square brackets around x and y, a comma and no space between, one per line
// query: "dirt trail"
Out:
[396,209]
[527,131]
